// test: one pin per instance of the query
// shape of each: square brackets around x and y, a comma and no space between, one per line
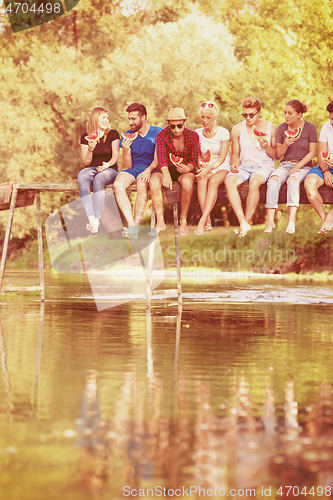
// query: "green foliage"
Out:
[163,53]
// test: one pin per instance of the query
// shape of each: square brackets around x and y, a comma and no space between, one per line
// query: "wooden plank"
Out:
[172,196]
[169,196]
[22,288]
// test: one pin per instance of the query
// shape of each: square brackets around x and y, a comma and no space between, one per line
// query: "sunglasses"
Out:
[178,125]
[208,104]
[250,115]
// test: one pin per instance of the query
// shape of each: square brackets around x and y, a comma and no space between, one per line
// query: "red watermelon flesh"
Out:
[92,137]
[293,133]
[207,157]
[175,159]
[326,156]
[259,134]
[130,135]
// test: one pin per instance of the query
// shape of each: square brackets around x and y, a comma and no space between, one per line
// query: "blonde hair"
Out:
[205,105]
[92,124]
[252,102]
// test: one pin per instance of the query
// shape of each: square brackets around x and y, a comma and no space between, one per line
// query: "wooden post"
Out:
[176,228]
[150,261]
[7,236]
[40,247]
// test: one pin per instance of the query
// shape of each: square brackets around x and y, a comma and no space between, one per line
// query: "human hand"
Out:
[202,172]
[126,144]
[289,141]
[328,178]
[183,169]
[91,144]
[167,181]
[234,169]
[295,169]
[144,176]
[328,162]
[104,167]
[263,143]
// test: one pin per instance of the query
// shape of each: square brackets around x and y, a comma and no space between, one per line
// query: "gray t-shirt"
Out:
[300,148]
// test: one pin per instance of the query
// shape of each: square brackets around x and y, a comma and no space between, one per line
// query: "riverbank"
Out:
[221,251]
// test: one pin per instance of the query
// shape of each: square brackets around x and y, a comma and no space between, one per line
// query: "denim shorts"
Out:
[317,170]
[135,171]
[246,172]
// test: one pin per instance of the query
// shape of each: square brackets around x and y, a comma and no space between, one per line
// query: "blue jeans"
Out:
[86,178]
[279,177]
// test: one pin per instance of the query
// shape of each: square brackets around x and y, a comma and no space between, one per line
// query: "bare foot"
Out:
[322,229]
[237,231]
[269,227]
[200,228]
[133,232]
[243,229]
[208,227]
[159,227]
[290,228]
[183,228]
[328,224]
[93,224]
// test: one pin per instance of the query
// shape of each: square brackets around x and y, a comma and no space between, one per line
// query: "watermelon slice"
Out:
[259,134]
[92,137]
[175,159]
[293,133]
[326,156]
[207,157]
[130,135]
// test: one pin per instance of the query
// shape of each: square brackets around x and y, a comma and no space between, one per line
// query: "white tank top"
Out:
[250,150]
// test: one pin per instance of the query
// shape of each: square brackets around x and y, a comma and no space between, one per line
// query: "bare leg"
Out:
[186,181]
[312,183]
[213,185]
[156,181]
[292,219]
[270,220]
[231,184]
[272,198]
[122,182]
[202,190]
[141,201]
[328,223]
[253,196]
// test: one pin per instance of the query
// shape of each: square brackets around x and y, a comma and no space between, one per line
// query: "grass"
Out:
[304,252]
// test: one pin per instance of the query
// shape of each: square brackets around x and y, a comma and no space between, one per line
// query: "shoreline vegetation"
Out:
[221,251]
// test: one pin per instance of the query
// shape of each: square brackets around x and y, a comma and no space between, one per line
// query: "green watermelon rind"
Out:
[92,137]
[175,159]
[263,135]
[203,158]
[293,136]
[128,135]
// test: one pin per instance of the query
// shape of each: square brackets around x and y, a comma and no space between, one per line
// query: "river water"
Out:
[232,395]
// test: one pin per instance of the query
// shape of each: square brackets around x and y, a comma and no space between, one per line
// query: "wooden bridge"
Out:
[17,194]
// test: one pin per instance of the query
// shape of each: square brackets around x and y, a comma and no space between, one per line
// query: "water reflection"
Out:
[218,396]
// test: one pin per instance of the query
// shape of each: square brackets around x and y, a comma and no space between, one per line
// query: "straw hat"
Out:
[176,114]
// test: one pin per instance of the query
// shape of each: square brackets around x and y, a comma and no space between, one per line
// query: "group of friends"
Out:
[155,158]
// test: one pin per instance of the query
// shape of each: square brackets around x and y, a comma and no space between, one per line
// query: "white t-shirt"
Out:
[326,135]
[215,144]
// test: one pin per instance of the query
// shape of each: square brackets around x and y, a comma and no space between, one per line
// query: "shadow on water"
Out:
[217,396]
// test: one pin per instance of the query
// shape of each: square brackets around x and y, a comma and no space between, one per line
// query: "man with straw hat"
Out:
[177,149]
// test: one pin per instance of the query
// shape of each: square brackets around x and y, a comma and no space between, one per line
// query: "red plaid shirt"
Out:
[165,146]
